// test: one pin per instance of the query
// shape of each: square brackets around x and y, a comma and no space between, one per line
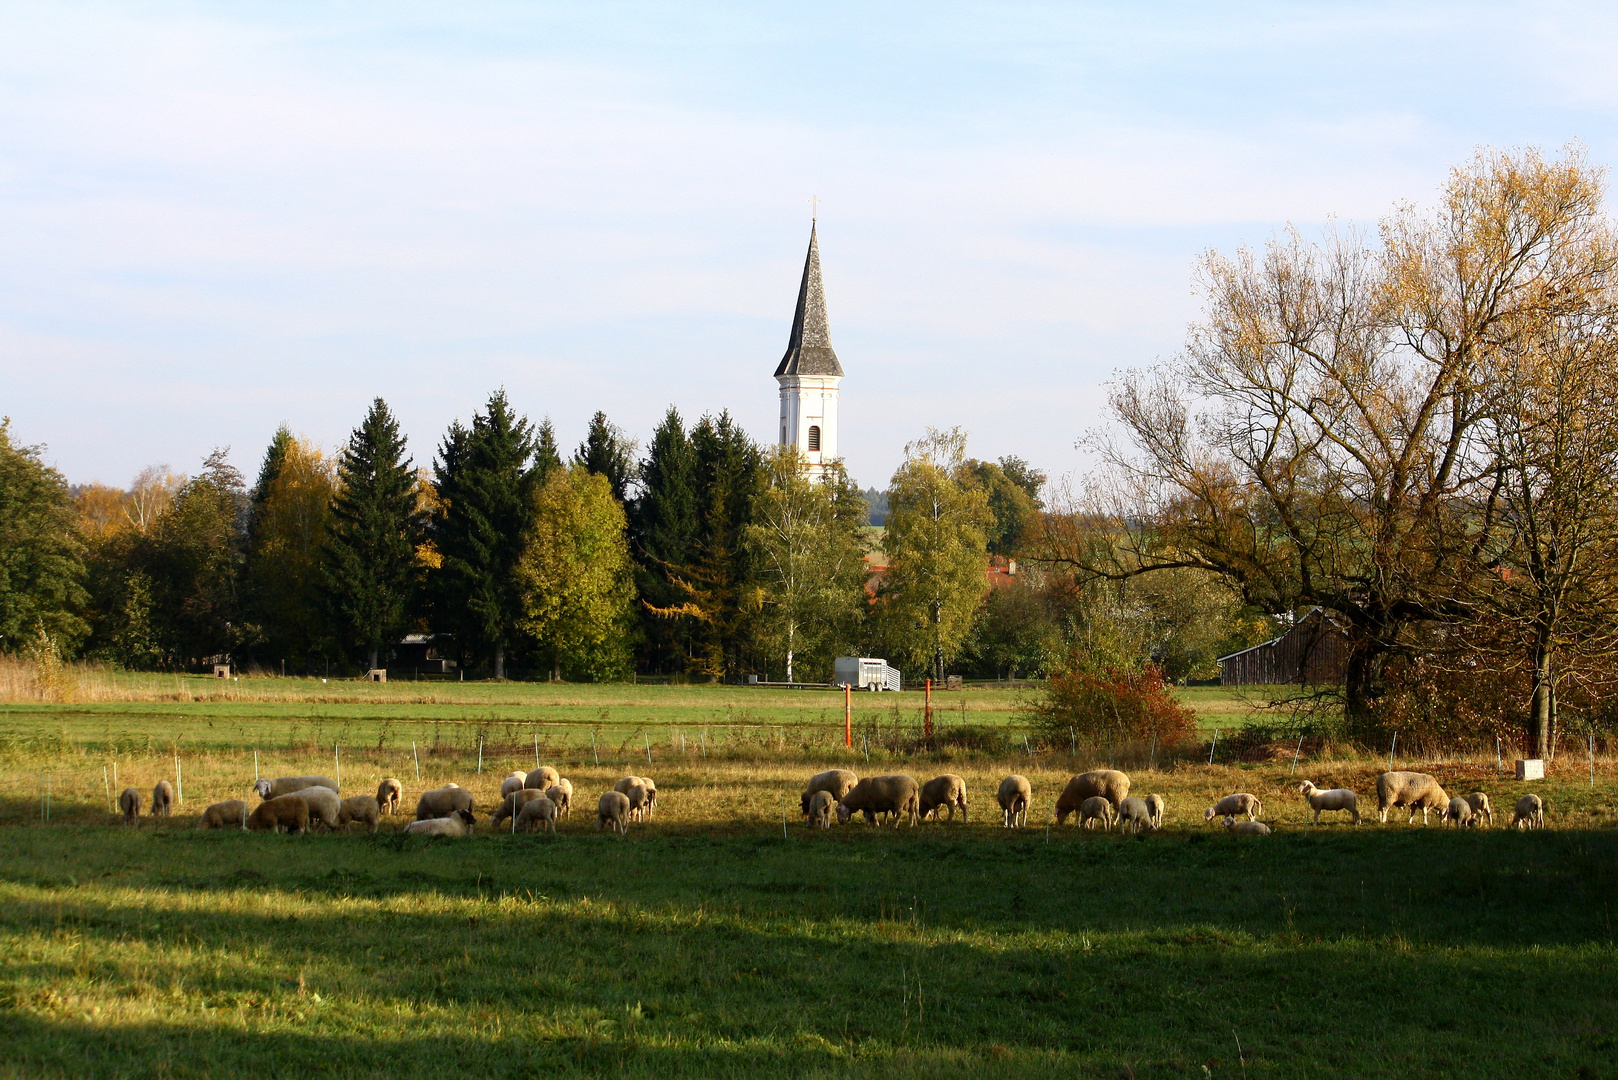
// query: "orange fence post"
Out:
[848,716]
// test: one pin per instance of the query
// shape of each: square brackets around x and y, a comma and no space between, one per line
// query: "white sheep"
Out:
[515,782]
[162,798]
[442,802]
[1479,802]
[542,778]
[129,806]
[361,808]
[537,814]
[286,785]
[561,793]
[223,815]
[821,808]
[1459,811]
[458,823]
[1014,796]
[1334,799]
[1530,813]
[836,782]
[1414,790]
[612,811]
[638,797]
[1155,805]
[1096,808]
[943,792]
[324,806]
[1247,828]
[513,804]
[1133,815]
[389,793]
[1231,805]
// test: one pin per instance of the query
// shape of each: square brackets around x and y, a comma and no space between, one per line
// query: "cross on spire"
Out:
[814,208]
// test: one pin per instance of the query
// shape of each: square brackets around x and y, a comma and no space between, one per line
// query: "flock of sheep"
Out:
[533,801]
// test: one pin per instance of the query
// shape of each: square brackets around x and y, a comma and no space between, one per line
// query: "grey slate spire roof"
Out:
[809,350]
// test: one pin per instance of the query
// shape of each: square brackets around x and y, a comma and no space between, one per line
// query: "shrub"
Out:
[1111,703]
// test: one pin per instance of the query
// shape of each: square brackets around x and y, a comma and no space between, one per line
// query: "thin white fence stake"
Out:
[867,743]
[1028,749]
[179,783]
[1151,762]
[480,755]
[1391,749]
[702,742]
[108,785]
[1592,759]
[1072,741]
[682,744]
[337,760]
[593,752]
[536,749]
[255,767]
[1213,746]
[648,739]
[784,818]
[1499,762]
[115,777]
[1295,754]
[417,758]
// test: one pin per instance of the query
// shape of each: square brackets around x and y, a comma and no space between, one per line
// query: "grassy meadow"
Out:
[712,942]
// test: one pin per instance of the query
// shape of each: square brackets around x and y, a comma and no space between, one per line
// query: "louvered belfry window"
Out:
[814,438]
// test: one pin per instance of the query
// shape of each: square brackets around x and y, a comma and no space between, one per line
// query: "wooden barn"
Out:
[1314,651]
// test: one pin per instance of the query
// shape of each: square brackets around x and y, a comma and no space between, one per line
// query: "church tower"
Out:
[809,373]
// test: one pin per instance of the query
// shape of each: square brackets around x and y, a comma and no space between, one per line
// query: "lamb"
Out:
[943,792]
[1415,790]
[515,782]
[897,794]
[129,803]
[537,814]
[1155,806]
[458,823]
[820,809]
[542,778]
[1334,799]
[651,794]
[513,804]
[1014,796]
[1231,805]
[223,815]
[389,793]
[1109,784]
[1247,828]
[835,782]
[1479,803]
[286,785]
[1134,815]
[1530,813]
[162,798]
[361,808]
[561,793]
[639,798]
[442,802]
[613,810]
[1093,809]
[324,805]
[282,812]
[1458,811]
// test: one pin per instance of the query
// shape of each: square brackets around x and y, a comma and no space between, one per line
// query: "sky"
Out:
[218,218]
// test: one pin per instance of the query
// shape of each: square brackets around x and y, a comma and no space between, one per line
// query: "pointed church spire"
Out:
[809,350]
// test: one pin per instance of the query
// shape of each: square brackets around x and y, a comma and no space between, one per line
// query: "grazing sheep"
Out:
[129,803]
[324,806]
[286,785]
[162,798]
[1133,815]
[542,778]
[458,823]
[896,794]
[515,782]
[1334,799]
[1155,805]
[442,802]
[1247,828]
[1458,811]
[1414,790]
[1093,809]
[223,815]
[1231,805]
[513,804]
[943,792]
[820,810]
[638,797]
[1530,812]
[1479,803]
[836,782]
[651,795]
[561,793]
[282,812]
[622,786]
[1014,796]
[389,793]
[361,808]
[613,810]
[1109,784]
[537,814]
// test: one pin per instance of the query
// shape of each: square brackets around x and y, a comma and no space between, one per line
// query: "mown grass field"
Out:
[708,943]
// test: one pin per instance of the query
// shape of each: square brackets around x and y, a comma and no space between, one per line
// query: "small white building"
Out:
[809,373]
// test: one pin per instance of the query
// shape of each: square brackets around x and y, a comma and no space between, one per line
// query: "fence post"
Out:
[417,758]
[105,783]
[1213,746]
[1072,741]
[255,767]
[337,760]
[1295,754]
[480,755]
[1391,749]
[179,782]
[1151,761]
[648,739]
[593,752]
[536,749]
[1499,762]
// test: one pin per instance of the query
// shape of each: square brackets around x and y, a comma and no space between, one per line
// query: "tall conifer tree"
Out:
[606,452]
[663,524]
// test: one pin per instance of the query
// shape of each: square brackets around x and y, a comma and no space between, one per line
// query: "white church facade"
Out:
[809,373]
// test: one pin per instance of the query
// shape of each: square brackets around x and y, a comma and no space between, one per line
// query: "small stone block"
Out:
[377,674]
[221,671]
[1531,769]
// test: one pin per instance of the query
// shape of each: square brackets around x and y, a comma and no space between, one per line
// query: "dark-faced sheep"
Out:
[284,812]
[230,814]
[515,782]
[821,808]
[536,815]
[442,802]
[1155,806]
[129,805]
[612,811]
[286,785]
[542,778]
[561,793]
[162,798]
[943,792]
[1094,809]
[836,782]
[1334,799]
[360,808]
[389,793]
[1133,815]
[513,804]
[1231,805]
[1479,803]
[1014,797]
[896,794]
[1530,813]
[1414,790]
[456,823]
[1109,784]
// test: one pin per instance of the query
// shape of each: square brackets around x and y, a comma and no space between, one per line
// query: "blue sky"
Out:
[218,217]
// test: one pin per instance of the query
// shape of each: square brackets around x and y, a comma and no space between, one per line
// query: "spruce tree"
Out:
[663,524]
[547,458]
[484,479]
[606,452]
[370,570]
